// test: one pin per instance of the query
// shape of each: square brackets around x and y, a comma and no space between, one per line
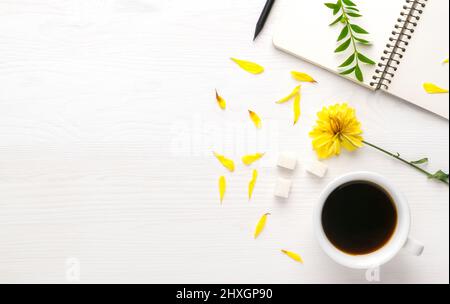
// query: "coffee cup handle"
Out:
[414,247]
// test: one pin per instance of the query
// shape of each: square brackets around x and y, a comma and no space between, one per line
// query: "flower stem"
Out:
[397,156]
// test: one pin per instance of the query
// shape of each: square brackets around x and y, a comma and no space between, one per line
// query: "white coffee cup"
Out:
[399,241]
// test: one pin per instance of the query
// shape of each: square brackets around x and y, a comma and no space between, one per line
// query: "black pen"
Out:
[264,15]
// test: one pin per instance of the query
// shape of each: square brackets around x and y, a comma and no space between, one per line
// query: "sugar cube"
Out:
[283,188]
[317,168]
[287,160]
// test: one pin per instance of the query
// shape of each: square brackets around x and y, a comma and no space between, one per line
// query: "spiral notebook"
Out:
[410,41]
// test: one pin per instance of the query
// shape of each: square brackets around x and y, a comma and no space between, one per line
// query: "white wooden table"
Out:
[107,124]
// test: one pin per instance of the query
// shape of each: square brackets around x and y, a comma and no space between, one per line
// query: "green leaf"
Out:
[348,62]
[358,73]
[353,8]
[349,3]
[337,8]
[421,161]
[358,29]
[348,72]
[441,176]
[343,34]
[331,5]
[354,15]
[336,21]
[364,59]
[343,46]
[362,41]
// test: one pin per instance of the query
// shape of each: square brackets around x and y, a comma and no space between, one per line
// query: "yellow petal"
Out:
[220,101]
[226,162]
[248,66]
[250,159]
[261,225]
[290,96]
[297,110]
[222,188]
[293,255]
[251,185]
[433,89]
[446,61]
[303,77]
[255,118]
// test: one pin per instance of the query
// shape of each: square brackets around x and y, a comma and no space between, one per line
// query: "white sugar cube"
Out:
[287,160]
[317,168]
[283,188]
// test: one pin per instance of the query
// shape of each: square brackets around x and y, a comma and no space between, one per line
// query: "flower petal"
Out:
[222,188]
[251,185]
[220,101]
[297,110]
[226,162]
[431,88]
[290,96]
[250,159]
[335,147]
[249,66]
[256,120]
[303,77]
[351,143]
[296,257]
[261,225]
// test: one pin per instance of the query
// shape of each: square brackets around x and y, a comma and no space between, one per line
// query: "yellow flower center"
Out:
[336,126]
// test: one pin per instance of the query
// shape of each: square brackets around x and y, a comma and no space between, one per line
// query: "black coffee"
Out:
[359,218]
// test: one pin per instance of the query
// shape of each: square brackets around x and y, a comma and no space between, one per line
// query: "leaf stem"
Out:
[350,30]
[398,157]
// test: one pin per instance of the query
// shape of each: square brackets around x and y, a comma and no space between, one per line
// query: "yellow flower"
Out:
[337,127]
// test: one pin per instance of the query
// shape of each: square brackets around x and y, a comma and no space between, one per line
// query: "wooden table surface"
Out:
[107,126]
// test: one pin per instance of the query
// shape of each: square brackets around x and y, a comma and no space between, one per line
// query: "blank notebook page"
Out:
[423,60]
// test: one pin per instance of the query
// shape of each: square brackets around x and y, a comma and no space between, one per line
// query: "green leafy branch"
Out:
[351,36]
[440,175]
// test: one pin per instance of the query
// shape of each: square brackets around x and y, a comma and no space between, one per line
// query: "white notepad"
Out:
[304,31]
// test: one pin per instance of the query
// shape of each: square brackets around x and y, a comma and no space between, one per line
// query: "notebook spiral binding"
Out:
[398,42]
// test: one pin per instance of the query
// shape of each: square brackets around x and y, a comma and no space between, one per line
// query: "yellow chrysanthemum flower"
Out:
[337,127]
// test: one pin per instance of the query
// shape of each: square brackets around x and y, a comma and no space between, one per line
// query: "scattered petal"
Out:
[433,89]
[255,118]
[226,162]
[297,110]
[303,77]
[248,66]
[293,255]
[221,102]
[290,96]
[250,159]
[222,188]
[261,225]
[296,94]
[251,185]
